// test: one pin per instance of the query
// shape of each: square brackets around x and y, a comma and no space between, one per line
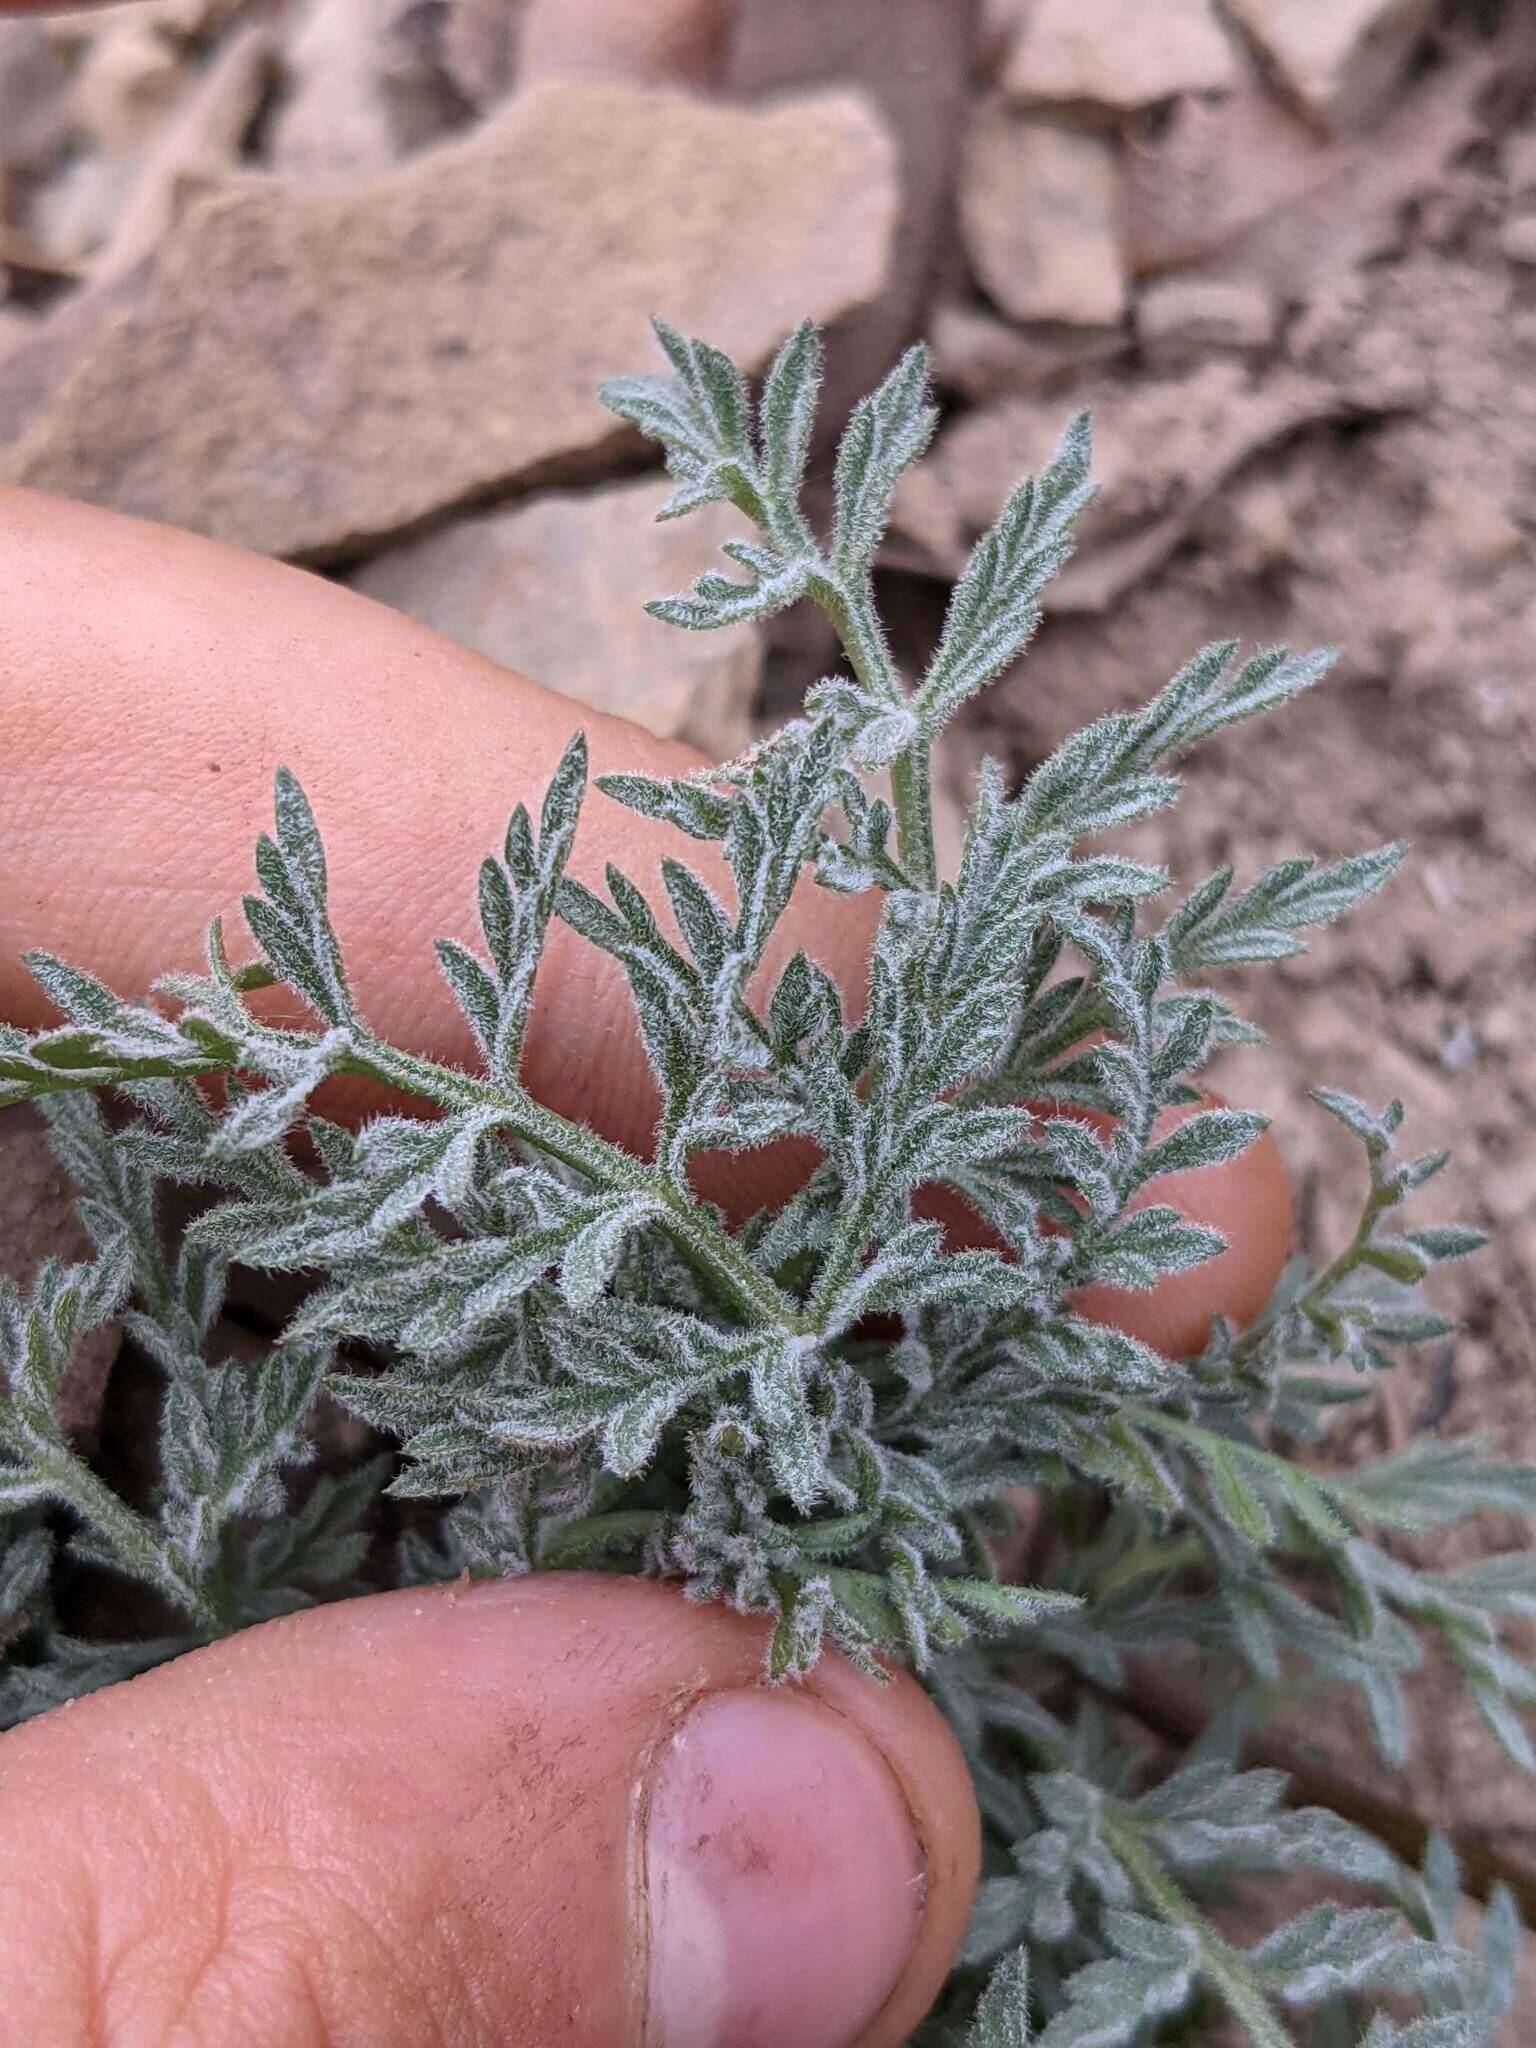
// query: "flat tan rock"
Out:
[556,588]
[1118,54]
[1339,59]
[1179,319]
[308,369]
[1040,211]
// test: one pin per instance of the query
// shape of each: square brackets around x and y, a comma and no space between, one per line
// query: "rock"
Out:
[664,42]
[1339,59]
[1040,210]
[913,60]
[34,93]
[75,211]
[1243,176]
[199,143]
[477,45]
[38,1221]
[128,80]
[1117,54]
[1510,1191]
[1181,318]
[1517,238]
[998,26]
[16,327]
[186,20]
[1163,451]
[335,116]
[40,361]
[985,358]
[1517,160]
[556,587]
[1210,170]
[311,368]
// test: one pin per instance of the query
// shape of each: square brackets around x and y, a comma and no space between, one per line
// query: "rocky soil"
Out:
[336,280]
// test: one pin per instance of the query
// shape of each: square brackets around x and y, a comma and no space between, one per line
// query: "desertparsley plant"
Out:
[827,1415]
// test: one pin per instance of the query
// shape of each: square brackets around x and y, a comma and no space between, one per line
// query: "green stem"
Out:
[1226,1967]
[127,1534]
[912,800]
[751,1293]
[853,613]
[691,1227]
[842,1258]
[1332,1277]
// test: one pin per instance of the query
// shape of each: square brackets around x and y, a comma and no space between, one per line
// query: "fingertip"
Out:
[573,1793]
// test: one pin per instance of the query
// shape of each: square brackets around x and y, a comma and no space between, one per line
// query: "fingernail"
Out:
[783,1880]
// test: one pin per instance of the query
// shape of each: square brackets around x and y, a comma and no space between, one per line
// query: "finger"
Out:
[153,683]
[561,1811]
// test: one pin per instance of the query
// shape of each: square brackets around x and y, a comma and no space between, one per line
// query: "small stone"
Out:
[1339,59]
[997,26]
[1461,1048]
[335,116]
[556,588]
[1117,54]
[1517,238]
[1181,318]
[478,49]
[665,42]
[1040,209]
[1212,169]
[985,358]
[1510,1191]
[128,80]
[1518,161]
[1164,449]
[197,146]
[309,367]
[1476,521]
[74,212]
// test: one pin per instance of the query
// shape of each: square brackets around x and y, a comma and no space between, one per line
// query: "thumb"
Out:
[561,1811]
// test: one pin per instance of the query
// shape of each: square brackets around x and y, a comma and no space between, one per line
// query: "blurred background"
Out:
[336,280]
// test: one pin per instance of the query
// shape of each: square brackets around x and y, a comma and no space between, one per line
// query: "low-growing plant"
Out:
[828,1415]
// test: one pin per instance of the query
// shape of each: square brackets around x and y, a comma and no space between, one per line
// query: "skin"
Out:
[264,1828]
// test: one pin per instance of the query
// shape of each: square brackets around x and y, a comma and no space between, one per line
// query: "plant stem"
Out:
[1226,1967]
[1333,1276]
[912,800]
[853,614]
[128,1534]
[750,1292]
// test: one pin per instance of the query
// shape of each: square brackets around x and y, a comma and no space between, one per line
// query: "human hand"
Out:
[558,1811]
